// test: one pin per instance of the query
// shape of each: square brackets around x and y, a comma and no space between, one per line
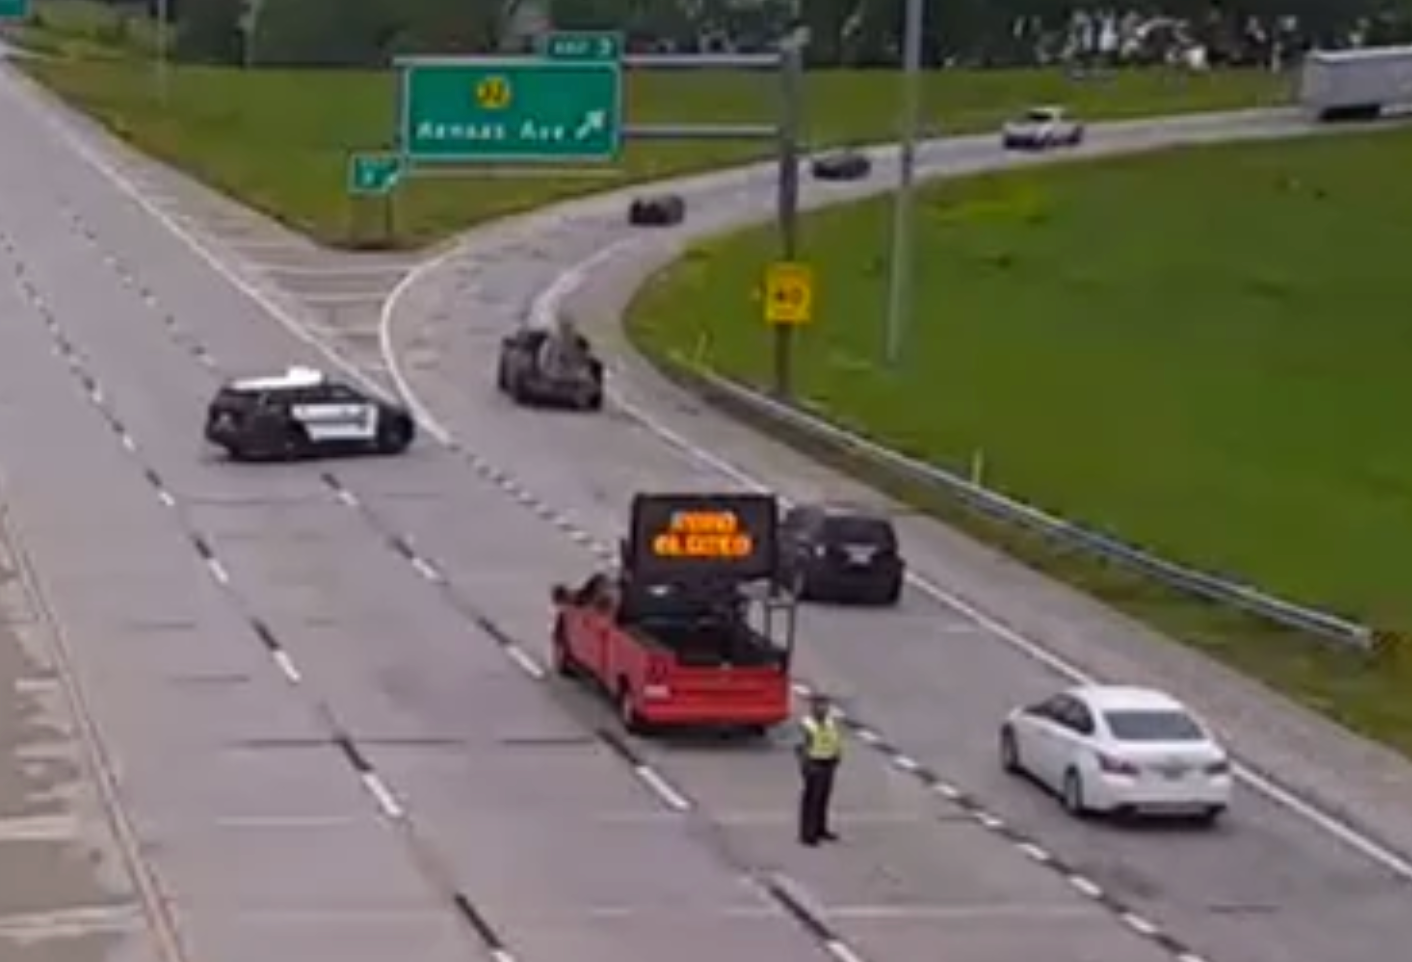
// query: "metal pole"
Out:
[162,31]
[791,83]
[899,301]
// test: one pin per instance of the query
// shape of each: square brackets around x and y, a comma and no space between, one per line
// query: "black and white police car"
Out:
[302,413]
[1042,128]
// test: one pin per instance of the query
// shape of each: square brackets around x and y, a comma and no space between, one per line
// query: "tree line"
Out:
[851,33]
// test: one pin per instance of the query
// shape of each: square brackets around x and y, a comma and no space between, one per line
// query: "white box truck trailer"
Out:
[1356,84]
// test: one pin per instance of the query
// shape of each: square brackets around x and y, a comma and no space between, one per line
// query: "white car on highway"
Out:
[1041,128]
[1109,748]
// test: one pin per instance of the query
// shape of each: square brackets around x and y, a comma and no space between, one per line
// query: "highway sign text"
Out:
[511,110]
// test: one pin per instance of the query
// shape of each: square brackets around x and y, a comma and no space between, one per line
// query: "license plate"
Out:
[1173,772]
[859,555]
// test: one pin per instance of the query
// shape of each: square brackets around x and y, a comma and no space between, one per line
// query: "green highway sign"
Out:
[373,173]
[477,110]
[583,45]
[14,10]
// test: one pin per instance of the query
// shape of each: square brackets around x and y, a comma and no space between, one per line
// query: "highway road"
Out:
[1281,880]
[321,684]
[326,746]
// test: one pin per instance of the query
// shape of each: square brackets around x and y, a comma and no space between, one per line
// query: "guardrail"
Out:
[1004,508]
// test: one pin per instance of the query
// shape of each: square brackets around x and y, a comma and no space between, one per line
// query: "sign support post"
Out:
[561,112]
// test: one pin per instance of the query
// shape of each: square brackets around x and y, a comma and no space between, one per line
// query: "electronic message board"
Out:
[690,536]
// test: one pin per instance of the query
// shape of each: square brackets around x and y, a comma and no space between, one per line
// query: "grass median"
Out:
[1202,351]
[279,140]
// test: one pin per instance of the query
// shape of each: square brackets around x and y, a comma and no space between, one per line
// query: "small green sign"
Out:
[14,10]
[583,45]
[373,174]
[510,110]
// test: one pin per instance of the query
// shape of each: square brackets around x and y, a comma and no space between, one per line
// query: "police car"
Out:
[300,413]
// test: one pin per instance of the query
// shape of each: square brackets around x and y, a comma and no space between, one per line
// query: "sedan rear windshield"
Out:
[1153,726]
[853,530]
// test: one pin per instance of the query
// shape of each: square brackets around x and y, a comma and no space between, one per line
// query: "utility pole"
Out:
[899,300]
[792,82]
[163,11]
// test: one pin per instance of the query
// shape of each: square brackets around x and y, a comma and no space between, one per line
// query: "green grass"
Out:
[1203,351]
[82,29]
[279,139]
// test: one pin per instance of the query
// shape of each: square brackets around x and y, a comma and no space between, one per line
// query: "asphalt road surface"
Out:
[1271,884]
[320,684]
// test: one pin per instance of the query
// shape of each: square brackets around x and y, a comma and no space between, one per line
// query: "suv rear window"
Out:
[849,529]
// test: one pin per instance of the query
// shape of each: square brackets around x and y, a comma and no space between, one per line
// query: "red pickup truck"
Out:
[694,630]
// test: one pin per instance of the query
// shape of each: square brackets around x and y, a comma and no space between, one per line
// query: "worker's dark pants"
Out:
[814,799]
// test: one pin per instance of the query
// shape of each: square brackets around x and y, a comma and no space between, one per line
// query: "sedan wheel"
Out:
[1009,751]
[1073,793]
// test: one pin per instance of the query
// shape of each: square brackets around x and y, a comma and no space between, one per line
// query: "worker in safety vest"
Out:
[819,749]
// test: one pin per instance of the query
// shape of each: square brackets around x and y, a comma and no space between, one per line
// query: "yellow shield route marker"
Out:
[789,293]
[493,93]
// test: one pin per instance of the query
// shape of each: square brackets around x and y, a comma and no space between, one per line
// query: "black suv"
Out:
[302,413]
[840,553]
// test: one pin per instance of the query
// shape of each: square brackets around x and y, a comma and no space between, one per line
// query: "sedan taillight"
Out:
[1115,766]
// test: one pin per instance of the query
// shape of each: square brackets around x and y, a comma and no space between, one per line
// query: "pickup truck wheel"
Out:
[563,659]
[632,721]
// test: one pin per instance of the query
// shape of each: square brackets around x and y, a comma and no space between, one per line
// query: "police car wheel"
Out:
[395,437]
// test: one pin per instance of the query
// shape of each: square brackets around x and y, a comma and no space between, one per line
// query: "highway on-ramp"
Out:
[320,689]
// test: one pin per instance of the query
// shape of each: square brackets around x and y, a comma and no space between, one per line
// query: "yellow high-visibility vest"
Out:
[823,741]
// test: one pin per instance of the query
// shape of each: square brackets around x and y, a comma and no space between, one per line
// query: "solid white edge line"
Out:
[218,570]
[385,799]
[662,788]
[520,657]
[286,665]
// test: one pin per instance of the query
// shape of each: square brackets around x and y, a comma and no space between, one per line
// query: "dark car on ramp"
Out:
[661,210]
[303,413]
[841,553]
[576,381]
[841,165]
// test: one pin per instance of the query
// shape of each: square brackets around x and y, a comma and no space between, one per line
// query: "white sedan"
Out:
[1041,128]
[1105,748]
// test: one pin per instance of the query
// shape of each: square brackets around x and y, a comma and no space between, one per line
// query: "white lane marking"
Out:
[868,735]
[1190,957]
[1338,829]
[502,955]
[427,570]
[520,657]
[548,303]
[989,820]
[662,788]
[286,665]
[1085,886]
[906,763]
[128,442]
[348,497]
[218,570]
[385,799]
[1139,924]
[166,498]
[947,790]
[76,142]
[840,950]
[1035,852]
